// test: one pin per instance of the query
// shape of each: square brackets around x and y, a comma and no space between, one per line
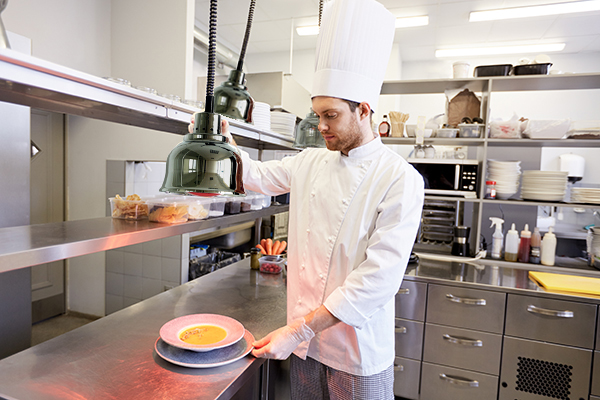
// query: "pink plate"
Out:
[170,331]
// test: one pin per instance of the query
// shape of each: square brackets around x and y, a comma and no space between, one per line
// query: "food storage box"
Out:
[257,202]
[233,205]
[532,69]
[272,264]
[168,210]
[492,70]
[446,132]
[217,207]
[470,130]
[198,207]
[266,201]
[247,201]
[121,208]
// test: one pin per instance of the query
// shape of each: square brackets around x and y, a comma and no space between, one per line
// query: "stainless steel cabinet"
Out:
[596,374]
[406,378]
[466,308]
[446,383]
[555,321]
[411,300]
[409,338]
[598,334]
[462,348]
[533,370]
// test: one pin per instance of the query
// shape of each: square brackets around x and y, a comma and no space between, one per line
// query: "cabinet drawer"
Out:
[439,382]
[596,374]
[409,338]
[466,308]
[407,374]
[461,348]
[534,370]
[594,398]
[410,300]
[556,321]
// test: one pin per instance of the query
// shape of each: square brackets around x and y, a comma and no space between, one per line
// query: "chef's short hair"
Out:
[354,105]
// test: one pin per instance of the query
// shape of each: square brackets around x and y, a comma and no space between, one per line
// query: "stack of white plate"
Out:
[506,174]
[282,122]
[544,185]
[261,115]
[585,195]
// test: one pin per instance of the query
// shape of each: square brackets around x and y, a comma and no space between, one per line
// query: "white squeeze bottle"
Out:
[512,244]
[549,247]
[497,237]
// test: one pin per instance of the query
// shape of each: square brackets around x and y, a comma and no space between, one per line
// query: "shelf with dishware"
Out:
[411,141]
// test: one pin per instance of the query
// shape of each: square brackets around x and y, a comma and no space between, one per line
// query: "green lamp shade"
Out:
[307,132]
[232,99]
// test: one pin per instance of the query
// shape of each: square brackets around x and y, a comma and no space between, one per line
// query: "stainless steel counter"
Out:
[114,357]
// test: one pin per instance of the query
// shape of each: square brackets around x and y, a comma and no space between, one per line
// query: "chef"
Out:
[354,212]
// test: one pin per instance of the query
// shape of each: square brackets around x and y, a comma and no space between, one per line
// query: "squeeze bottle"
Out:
[536,247]
[497,237]
[525,244]
[549,247]
[512,244]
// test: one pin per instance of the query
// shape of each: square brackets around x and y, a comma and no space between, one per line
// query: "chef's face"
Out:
[340,126]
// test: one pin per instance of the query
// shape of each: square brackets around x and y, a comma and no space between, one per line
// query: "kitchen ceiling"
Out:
[449,26]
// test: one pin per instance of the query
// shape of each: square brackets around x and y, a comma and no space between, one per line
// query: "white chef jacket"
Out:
[352,225]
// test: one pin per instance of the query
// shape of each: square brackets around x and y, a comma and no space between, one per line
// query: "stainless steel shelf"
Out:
[517,202]
[452,198]
[24,246]
[411,141]
[544,142]
[432,86]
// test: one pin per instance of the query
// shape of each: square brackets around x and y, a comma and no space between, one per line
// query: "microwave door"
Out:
[457,177]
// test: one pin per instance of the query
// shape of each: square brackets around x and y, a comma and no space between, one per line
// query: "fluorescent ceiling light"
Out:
[308,30]
[535,11]
[405,22]
[409,22]
[486,51]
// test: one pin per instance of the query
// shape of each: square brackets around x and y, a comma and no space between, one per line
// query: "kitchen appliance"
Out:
[307,132]
[437,221]
[573,164]
[460,245]
[449,177]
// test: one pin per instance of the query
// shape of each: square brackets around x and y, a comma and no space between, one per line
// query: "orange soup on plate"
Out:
[203,334]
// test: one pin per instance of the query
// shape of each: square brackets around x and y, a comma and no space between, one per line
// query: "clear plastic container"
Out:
[470,130]
[168,210]
[247,201]
[272,264]
[233,205]
[257,202]
[128,209]
[446,132]
[266,201]
[198,208]
[217,207]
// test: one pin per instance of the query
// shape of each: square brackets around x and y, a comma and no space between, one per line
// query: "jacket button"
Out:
[345,201]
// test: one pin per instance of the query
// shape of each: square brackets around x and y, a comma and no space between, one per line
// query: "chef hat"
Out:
[353,50]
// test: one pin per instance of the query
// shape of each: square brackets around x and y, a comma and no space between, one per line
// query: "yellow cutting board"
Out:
[567,284]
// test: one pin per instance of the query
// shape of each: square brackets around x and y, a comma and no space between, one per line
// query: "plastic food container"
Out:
[532,69]
[446,132]
[233,205]
[198,208]
[470,130]
[272,264]
[128,209]
[266,201]
[247,201]
[257,202]
[167,210]
[217,207]
[492,70]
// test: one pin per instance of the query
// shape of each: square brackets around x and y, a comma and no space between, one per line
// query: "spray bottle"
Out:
[512,244]
[497,237]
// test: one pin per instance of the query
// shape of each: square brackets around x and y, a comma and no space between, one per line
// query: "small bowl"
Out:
[272,264]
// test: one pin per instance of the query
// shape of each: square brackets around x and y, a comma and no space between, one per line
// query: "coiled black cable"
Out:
[246,35]
[212,50]
[320,10]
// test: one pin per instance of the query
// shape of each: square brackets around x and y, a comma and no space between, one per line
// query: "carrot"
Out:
[276,247]
[262,249]
[269,246]
[263,243]
[282,246]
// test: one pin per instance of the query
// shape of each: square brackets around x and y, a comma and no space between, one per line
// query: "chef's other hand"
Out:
[224,129]
[280,343]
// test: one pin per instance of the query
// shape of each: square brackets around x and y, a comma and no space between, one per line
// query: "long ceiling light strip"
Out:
[497,50]
[405,22]
[535,11]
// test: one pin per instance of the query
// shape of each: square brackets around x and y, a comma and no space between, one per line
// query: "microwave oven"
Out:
[449,177]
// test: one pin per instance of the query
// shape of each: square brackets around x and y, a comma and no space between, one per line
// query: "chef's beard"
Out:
[347,138]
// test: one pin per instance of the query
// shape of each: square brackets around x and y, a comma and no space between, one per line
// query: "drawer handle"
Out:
[459,381]
[398,368]
[401,329]
[552,313]
[404,291]
[466,300]
[463,341]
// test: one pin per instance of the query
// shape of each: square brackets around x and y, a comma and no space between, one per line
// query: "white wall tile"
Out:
[114,284]
[171,247]
[151,267]
[171,270]
[113,303]
[132,286]
[134,248]
[114,261]
[129,301]
[168,285]
[151,287]
[132,264]
[140,188]
[153,248]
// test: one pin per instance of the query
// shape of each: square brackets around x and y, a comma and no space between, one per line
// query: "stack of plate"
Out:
[506,174]
[261,115]
[585,195]
[220,340]
[282,122]
[544,185]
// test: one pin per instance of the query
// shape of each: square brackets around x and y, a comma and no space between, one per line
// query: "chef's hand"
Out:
[280,343]
[224,129]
